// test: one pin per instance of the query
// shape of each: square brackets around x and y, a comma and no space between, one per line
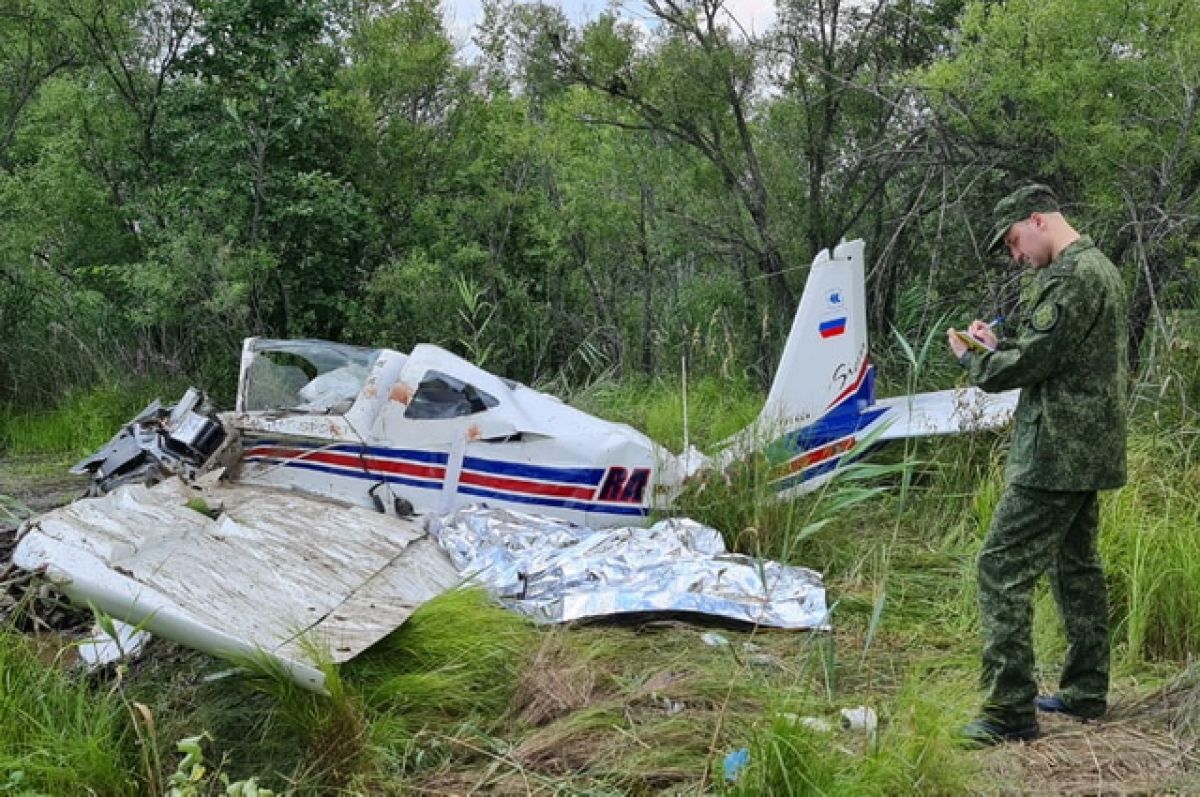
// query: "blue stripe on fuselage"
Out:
[483,492]
[845,419]
[462,488]
[588,477]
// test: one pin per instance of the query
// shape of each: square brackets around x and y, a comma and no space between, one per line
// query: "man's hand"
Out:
[983,333]
[956,345]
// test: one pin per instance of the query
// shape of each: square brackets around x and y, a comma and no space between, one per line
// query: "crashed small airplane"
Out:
[327,437]
[430,432]
[438,432]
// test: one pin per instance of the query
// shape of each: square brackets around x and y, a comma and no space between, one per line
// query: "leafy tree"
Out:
[1100,100]
[33,48]
[695,85]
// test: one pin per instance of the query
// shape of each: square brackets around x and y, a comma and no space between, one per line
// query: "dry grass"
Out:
[1146,745]
[560,752]
[555,684]
[1128,755]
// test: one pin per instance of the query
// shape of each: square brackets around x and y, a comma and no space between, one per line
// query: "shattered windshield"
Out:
[305,375]
[443,396]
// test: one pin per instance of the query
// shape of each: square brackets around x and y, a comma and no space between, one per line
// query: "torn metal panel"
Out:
[274,571]
[159,443]
[553,571]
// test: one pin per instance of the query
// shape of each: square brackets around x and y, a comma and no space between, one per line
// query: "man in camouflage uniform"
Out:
[1068,441]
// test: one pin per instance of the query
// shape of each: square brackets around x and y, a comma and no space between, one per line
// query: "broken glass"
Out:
[305,375]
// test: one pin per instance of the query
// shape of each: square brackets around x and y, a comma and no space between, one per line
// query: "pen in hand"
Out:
[983,333]
[977,326]
[979,335]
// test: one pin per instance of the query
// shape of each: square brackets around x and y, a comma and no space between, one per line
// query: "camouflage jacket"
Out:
[1069,359]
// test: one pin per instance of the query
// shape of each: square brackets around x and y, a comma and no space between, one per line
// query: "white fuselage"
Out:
[513,447]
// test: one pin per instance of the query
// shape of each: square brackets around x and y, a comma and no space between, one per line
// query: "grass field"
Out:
[466,698]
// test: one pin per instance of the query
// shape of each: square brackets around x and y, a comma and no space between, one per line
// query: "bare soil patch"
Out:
[29,486]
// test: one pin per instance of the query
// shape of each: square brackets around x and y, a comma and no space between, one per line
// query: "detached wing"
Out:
[275,573]
[947,412]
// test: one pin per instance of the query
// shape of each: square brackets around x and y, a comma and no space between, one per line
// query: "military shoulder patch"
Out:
[1044,317]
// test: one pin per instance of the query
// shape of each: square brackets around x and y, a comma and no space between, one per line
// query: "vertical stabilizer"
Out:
[821,412]
[825,358]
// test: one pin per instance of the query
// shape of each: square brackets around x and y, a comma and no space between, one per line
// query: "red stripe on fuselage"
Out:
[816,456]
[352,461]
[526,487]
[438,472]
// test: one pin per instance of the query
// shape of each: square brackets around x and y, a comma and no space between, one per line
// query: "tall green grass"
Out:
[327,732]
[913,751]
[59,735]
[716,408]
[1151,546]
[83,421]
[412,703]
[458,655]
[454,664]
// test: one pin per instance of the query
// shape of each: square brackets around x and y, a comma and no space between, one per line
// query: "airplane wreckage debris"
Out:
[247,571]
[349,485]
[168,543]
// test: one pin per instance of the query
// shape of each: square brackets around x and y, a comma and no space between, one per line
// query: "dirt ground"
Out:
[29,486]
[1132,751]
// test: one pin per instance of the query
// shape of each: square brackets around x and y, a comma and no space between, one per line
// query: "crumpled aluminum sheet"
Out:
[553,571]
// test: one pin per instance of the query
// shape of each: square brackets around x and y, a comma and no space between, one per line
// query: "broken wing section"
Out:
[946,412]
[272,573]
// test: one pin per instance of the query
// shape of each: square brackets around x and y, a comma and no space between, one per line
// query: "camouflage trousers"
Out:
[1033,532]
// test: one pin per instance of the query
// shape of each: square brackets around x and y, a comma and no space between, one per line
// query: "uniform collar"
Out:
[1073,249]
[1066,258]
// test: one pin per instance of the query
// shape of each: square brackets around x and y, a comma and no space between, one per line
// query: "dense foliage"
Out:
[558,198]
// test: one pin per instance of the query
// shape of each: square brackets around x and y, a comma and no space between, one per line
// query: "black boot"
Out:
[986,731]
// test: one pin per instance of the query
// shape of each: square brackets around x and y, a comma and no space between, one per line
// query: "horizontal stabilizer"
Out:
[947,412]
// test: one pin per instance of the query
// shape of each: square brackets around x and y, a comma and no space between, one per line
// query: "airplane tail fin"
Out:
[821,412]
[824,361]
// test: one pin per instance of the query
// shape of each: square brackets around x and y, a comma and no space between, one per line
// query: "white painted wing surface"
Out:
[274,572]
[947,412]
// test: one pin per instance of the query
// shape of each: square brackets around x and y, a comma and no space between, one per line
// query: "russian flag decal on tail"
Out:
[832,327]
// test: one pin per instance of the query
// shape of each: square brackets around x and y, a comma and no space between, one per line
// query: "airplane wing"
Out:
[947,412]
[273,573]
